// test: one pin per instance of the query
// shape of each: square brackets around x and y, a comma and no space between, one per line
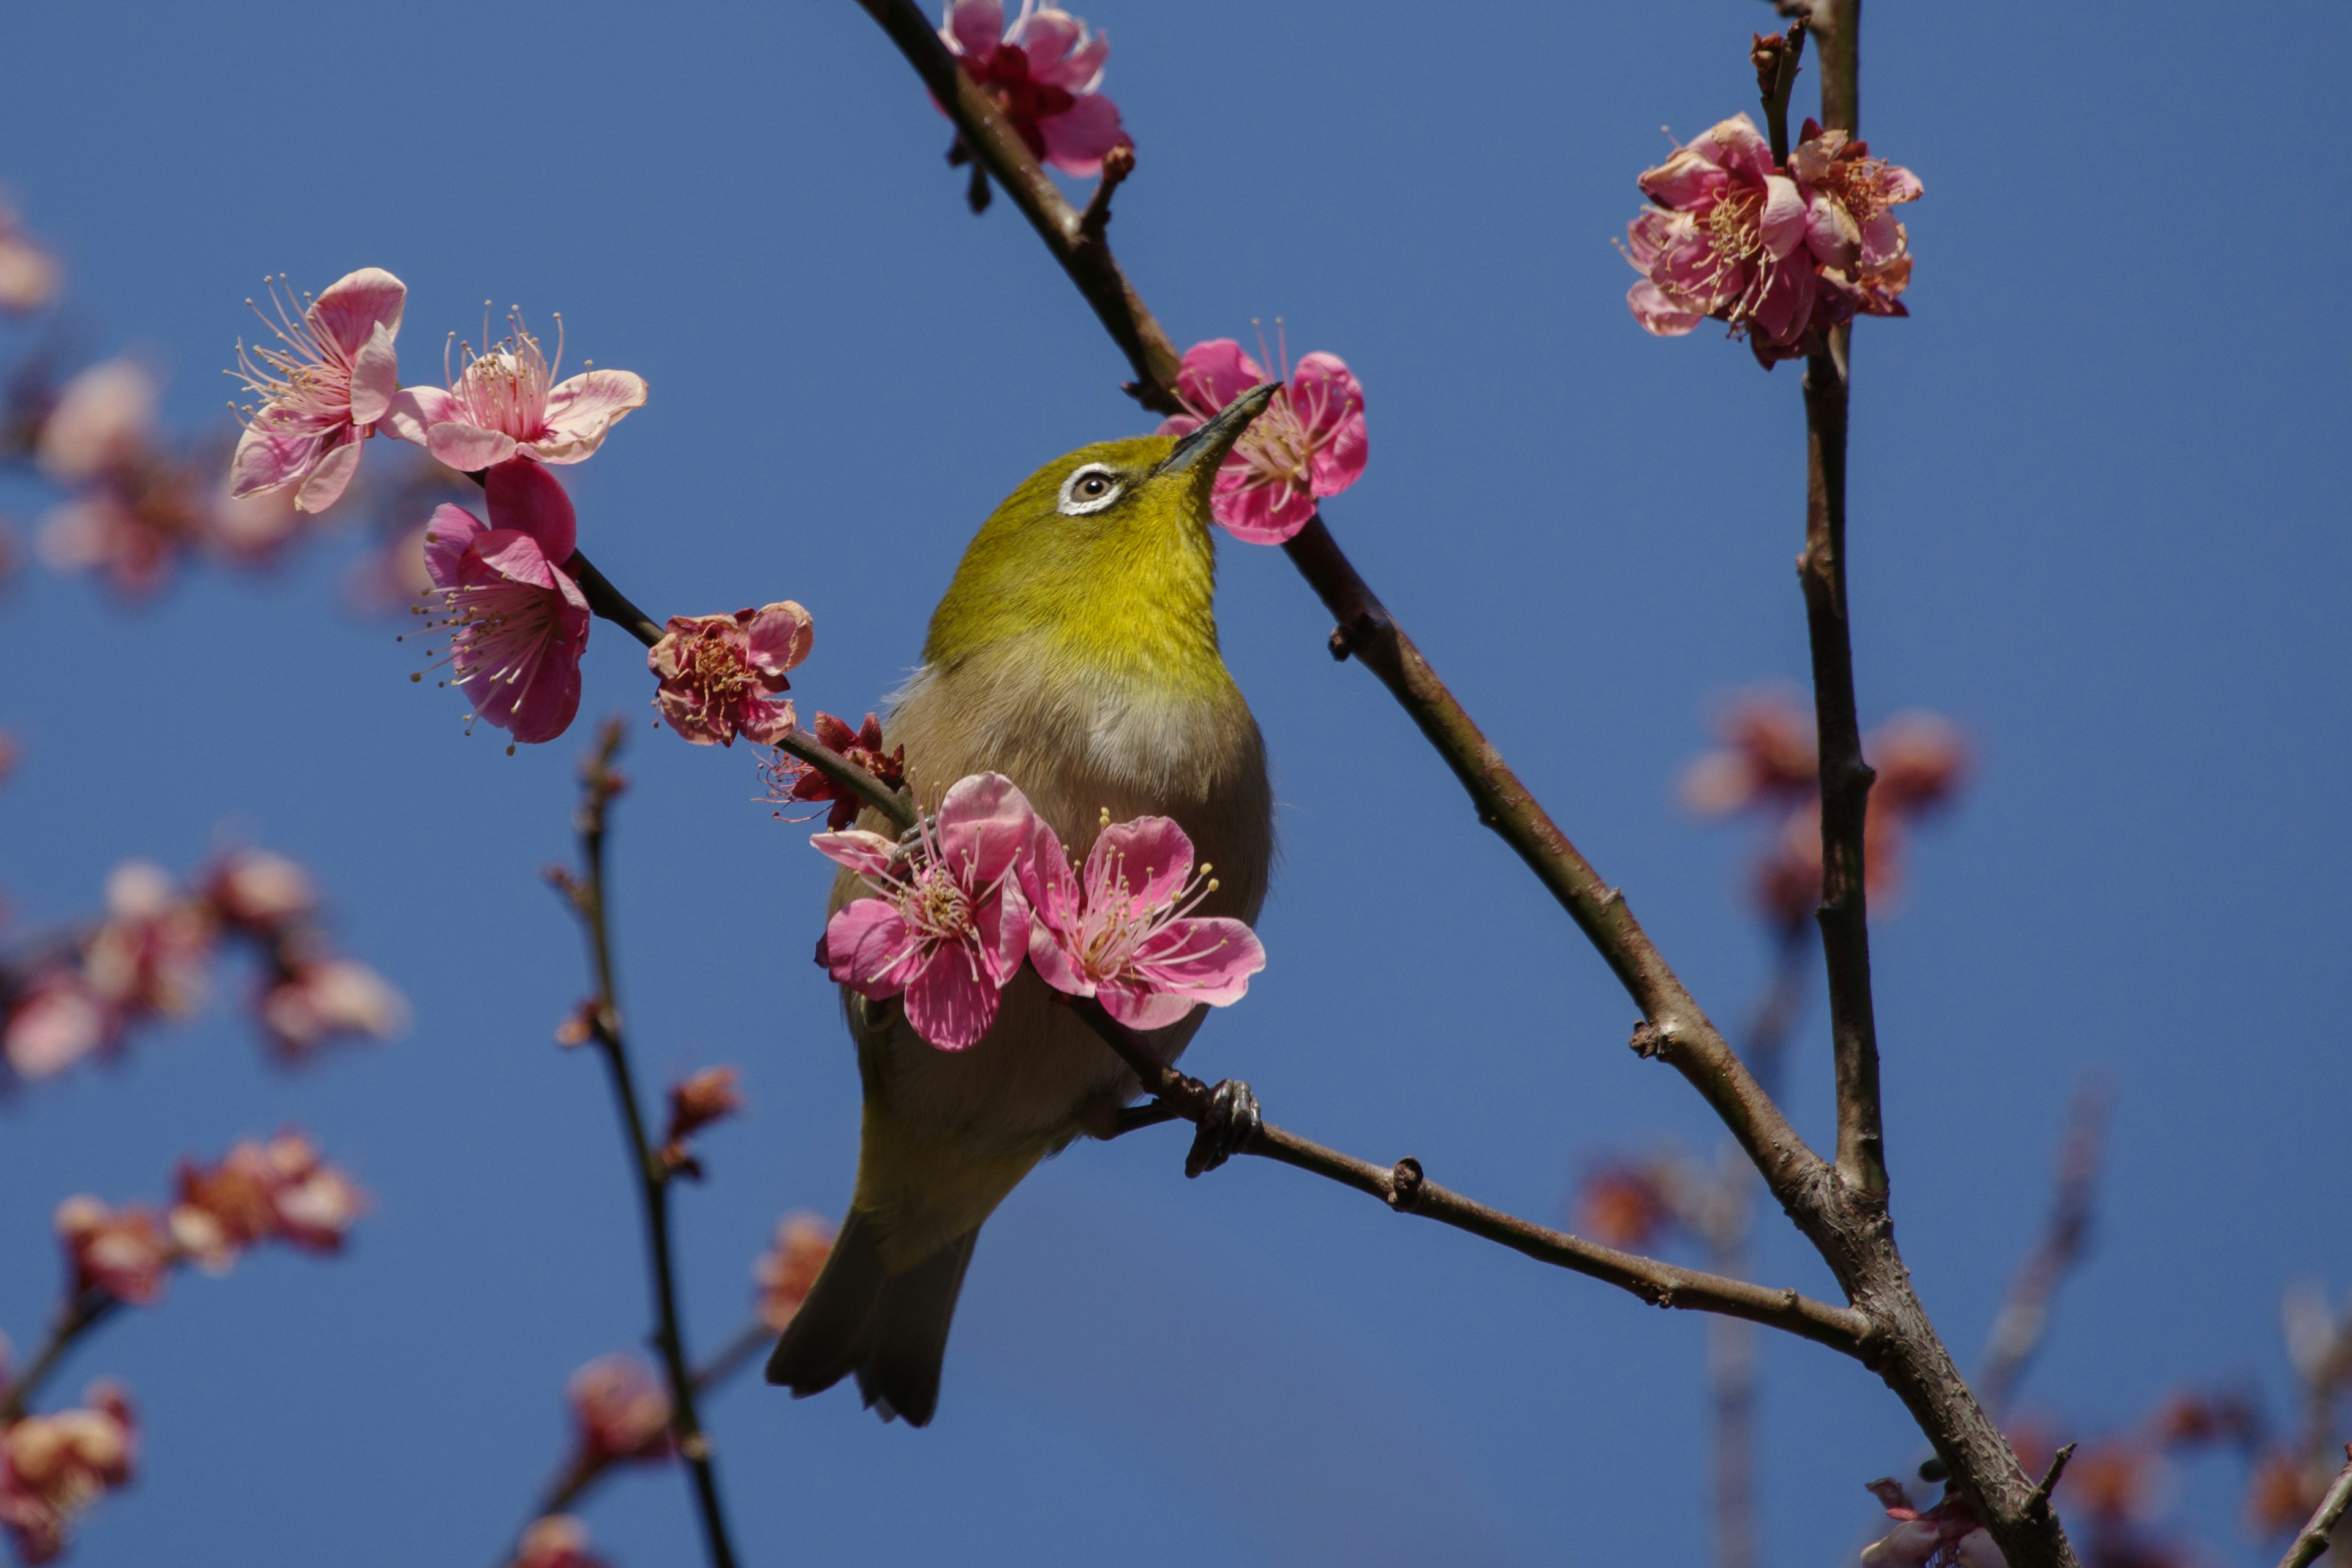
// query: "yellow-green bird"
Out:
[1075,653]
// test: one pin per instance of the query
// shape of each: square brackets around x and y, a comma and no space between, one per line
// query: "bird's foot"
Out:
[1230,1121]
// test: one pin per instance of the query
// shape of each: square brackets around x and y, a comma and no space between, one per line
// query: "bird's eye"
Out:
[1089,489]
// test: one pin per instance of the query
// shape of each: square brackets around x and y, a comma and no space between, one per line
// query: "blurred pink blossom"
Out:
[124,1253]
[720,674]
[557,1540]
[29,274]
[53,1467]
[948,926]
[256,890]
[619,1410]
[1309,443]
[1945,1536]
[318,1000]
[787,1271]
[1122,931]
[1045,73]
[331,376]
[316,1203]
[517,621]
[506,400]
[104,417]
[149,954]
[53,1023]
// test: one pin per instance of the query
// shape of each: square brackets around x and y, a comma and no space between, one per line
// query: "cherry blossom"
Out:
[517,621]
[791,781]
[1122,931]
[256,891]
[318,1000]
[124,1253]
[1309,443]
[506,400]
[1850,196]
[104,417]
[323,387]
[619,1410]
[947,925]
[53,1467]
[1945,1536]
[787,1271]
[720,674]
[316,1202]
[696,1102]
[54,1022]
[1045,73]
[149,954]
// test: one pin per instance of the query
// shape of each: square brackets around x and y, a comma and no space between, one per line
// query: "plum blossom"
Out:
[791,781]
[258,892]
[315,1203]
[1122,931]
[696,1102]
[557,1540]
[124,1253]
[104,417]
[323,389]
[29,274]
[949,924]
[1780,254]
[506,400]
[54,1022]
[517,621]
[1309,443]
[787,1271]
[1045,73]
[619,1410]
[1945,1536]
[320,999]
[720,674]
[52,1468]
[149,956]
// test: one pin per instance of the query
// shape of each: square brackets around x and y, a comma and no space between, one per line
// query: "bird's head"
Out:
[1103,558]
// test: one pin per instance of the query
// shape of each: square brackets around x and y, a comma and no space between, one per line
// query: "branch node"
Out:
[1341,643]
[1405,1180]
[1648,1039]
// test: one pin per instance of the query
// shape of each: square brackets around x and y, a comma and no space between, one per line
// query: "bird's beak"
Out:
[1210,442]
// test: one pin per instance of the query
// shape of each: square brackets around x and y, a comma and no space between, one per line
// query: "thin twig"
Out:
[74,1319]
[1776,57]
[2313,1538]
[2017,1333]
[599,785]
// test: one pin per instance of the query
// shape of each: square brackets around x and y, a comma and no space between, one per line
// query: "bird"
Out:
[1076,652]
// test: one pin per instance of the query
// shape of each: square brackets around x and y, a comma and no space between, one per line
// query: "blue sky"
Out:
[2095,520]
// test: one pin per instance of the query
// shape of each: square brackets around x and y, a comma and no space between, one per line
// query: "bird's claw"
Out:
[1230,1121]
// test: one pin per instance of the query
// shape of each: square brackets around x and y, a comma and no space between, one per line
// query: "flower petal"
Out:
[1260,514]
[357,303]
[868,854]
[1329,402]
[581,410]
[468,448]
[510,554]
[375,376]
[766,720]
[984,824]
[522,495]
[1738,145]
[1782,223]
[328,480]
[448,538]
[1151,855]
[267,458]
[1660,316]
[948,1005]
[780,637]
[869,947]
[1140,1007]
[1215,373]
[1078,138]
[413,410]
[974,28]
[1688,180]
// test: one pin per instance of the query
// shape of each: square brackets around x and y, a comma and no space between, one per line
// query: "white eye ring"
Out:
[1073,504]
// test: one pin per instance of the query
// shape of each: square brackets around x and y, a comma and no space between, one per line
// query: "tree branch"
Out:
[74,1318]
[2024,1317]
[2313,1539]
[1406,1189]
[599,785]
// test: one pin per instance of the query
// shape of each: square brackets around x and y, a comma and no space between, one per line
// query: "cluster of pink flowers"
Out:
[989,886]
[54,1467]
[620,1411]
[510,601]
[148,958]
[792,782]
[721,675]
[1768,765]
[1780,253]
[279,1191]
[1044,72]
[1308,444]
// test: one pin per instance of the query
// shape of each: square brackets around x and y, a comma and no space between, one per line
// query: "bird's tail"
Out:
[891,1330]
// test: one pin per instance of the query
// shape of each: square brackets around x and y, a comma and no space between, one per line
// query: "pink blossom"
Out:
[103,418]
[1122,931]
[787,1271]
[1723,240]
[53,1023]
[949,925]
[323,389]
[315,1203]
[517,621]
[1308,444]
[1864,254]
[219,1210]
[254,891]
[148,955]
[1945,1536]
[28,274]
[791,781]
[619,1410]
[506,400]
[317,1000]
[557,1540]
[52,1468]
[720,674]
[1045,73]
[123,1253]
[254,529]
